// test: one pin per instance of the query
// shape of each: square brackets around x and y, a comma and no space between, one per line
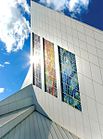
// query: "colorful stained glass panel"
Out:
[49,68]
[69,78]
[37,60]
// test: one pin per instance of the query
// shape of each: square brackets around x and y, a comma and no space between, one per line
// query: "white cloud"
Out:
[78,6]
[74,6]
[6,62]
[57,5]
[2,90]
[14,28]
[1,65]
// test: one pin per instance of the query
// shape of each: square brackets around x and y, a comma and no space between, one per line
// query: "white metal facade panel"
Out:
[87,44]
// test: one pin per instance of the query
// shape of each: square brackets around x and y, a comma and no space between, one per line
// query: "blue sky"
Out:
[94,16]
[15,35]
[14,55]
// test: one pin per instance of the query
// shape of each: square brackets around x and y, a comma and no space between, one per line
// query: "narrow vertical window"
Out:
[69,79]
[37,60]
[49,68]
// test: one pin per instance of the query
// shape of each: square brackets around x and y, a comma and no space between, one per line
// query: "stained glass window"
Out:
[49,68]
[68,71]
[37,60]
[69,78]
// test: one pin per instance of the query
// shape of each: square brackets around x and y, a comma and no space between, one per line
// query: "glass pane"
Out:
[69,79]
[37,60]
[49,67]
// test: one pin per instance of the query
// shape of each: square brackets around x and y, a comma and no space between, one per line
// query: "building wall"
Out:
[87,44]
[28,80]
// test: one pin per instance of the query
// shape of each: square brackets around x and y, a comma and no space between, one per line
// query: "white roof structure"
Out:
[22,119]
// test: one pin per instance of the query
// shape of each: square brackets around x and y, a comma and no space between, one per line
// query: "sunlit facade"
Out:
[78,58]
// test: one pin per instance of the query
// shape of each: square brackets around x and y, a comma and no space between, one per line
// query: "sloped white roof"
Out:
[37,126]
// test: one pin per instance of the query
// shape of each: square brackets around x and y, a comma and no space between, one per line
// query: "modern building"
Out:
[62,95]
